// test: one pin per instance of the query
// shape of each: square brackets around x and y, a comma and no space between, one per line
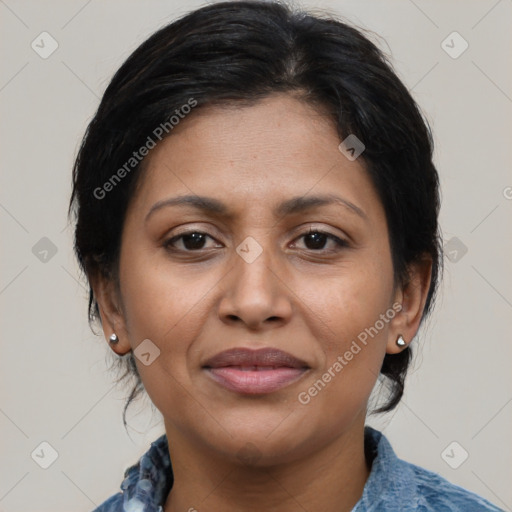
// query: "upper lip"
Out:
[250,357]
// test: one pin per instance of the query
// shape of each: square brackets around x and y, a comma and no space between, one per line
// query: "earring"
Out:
[400,341]
[114,338]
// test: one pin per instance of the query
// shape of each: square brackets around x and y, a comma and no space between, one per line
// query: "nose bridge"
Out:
[254,292]
[254,261]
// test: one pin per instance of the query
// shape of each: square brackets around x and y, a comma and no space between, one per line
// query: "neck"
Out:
[331,479]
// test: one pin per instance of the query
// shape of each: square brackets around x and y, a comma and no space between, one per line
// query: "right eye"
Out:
[192,241]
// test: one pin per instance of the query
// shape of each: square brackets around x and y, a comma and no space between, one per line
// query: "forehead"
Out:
[254,155]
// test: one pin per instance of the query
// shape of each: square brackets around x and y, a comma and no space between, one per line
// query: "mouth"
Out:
[253,372]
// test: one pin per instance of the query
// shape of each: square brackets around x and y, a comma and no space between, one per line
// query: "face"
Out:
[267,268]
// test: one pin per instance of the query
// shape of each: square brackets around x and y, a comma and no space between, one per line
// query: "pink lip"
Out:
[255,371]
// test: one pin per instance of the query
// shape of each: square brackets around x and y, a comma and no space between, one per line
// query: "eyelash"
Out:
[340,243]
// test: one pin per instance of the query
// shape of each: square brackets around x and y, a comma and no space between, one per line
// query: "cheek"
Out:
[163,305]
[353,355]
[159,297]
[347,321]
[343,304]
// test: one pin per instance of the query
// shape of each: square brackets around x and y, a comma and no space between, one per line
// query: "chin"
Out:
[260,443]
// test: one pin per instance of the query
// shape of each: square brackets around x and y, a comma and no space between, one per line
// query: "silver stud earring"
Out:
[400,341]
[114,338]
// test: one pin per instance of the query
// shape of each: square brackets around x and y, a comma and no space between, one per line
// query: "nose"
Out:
[255,293]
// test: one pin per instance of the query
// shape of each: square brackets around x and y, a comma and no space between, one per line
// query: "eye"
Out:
[315,240]
[191,241]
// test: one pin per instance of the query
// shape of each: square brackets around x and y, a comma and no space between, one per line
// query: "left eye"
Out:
[314,240]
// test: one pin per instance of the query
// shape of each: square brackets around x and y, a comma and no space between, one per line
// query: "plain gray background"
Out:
[55,386]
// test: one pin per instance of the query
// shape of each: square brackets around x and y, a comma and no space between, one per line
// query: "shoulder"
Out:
[437,493]
[395,484]
[146,483]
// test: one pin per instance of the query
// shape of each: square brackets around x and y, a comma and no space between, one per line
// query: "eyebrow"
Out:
[291,206]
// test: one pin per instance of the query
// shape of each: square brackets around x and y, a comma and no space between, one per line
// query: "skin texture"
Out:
[311,301]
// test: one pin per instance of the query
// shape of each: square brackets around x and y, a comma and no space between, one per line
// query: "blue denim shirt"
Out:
[393,485]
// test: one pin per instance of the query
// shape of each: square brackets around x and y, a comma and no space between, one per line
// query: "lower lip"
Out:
[255,382]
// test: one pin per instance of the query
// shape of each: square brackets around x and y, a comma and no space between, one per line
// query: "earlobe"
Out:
[112,319]
[412,296]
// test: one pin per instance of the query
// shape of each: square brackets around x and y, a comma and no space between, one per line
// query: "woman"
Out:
[256,213]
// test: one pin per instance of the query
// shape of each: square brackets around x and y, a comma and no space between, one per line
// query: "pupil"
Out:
[197,240]
[318,240]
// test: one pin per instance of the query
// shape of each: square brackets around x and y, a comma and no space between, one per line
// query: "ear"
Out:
[112,317]
[412,295]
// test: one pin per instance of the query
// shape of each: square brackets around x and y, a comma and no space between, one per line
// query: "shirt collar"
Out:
[147,483]
[391,481]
